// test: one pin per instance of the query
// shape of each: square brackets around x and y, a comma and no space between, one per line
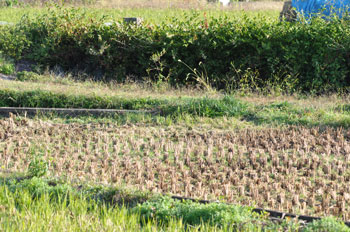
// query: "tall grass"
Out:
[20,210]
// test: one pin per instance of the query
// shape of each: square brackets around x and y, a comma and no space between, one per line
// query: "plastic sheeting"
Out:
[325,8]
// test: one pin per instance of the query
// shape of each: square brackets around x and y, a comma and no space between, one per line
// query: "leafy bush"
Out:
[226,52]
[6,66]
[27,76]
[7,69]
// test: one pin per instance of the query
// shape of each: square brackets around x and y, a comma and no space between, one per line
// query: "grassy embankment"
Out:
[184,105]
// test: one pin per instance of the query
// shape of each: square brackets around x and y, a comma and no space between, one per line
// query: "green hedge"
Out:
[226,53]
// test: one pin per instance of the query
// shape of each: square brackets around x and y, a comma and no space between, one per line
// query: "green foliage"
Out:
[13,41]
[38,167]
[208,107]
[226,53]
[22,3]
[21,212]
[165,208]
[7,69]
[116,196]
[329,224]
[37,187]
[6,66]
[28,76]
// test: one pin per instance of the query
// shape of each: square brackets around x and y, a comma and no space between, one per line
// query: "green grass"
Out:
[63,207]
[192,107]
[38,204]
[166,106]
[206,107]
[20,212]
[285,113]
[154,16]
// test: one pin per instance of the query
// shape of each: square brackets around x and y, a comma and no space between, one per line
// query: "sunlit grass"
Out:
[186,106]
[20,210]
[149,15]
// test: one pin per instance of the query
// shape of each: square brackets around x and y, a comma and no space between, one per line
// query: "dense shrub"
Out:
[224,53]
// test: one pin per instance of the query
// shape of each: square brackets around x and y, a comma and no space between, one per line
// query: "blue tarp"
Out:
[326,8]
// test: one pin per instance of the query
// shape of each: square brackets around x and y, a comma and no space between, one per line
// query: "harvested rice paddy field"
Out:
[292,169]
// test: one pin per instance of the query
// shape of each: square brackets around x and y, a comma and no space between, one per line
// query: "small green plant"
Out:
[158,69]
[7,69]
[245,80]
[38,167]
[27,76]
[201,77]
[6,65]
